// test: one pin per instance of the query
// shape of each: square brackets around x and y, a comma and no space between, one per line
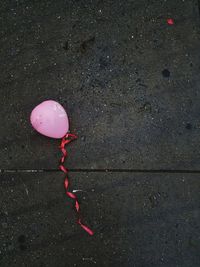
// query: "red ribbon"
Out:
[65,141]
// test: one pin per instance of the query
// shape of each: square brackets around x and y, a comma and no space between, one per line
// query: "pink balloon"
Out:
[50,119]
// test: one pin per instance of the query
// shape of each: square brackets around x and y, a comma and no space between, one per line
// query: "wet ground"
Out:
[130,83]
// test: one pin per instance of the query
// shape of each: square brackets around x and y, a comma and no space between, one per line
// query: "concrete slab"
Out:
[129,81]
[138,219]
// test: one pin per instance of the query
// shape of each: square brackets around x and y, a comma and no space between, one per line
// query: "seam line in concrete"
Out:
[100,170]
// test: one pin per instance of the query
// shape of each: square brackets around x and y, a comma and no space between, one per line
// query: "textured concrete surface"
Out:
[129,81]
[138,219]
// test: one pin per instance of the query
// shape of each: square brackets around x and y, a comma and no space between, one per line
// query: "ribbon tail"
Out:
[86,228]
[65,141]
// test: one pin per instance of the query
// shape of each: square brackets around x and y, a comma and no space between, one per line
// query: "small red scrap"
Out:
[170,21]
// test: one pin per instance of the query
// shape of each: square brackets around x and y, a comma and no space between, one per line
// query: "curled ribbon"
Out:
[65,141]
